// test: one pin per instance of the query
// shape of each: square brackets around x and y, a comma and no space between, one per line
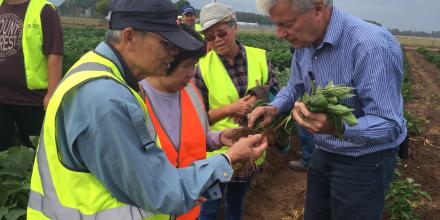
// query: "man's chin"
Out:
[298,45]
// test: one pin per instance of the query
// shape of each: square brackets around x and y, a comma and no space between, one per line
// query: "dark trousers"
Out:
[234,194]
[21,121]
[348,188]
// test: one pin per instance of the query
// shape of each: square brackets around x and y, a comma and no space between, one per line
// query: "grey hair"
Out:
[265,6]
[113,36]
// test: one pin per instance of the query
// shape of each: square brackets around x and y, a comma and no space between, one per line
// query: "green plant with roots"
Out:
[403,197]
[15,173]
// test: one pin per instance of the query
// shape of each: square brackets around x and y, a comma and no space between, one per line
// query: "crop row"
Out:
[431,56]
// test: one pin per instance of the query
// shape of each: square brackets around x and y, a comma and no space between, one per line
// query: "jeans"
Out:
[234,194]
[307,143]
[346,188]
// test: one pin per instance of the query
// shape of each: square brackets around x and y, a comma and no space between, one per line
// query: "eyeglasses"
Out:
[166,43]
[189,14]
[220,34]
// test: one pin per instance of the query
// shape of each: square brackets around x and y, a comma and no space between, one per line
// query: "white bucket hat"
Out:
[214,13]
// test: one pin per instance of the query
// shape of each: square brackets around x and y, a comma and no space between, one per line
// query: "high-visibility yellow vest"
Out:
[198,27]
[57,192]
[222,90]
[35,62]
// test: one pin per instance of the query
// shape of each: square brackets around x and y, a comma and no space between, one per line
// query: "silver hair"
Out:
[264,6]
[113,36]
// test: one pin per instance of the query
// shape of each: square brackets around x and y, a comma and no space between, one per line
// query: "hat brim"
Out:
[182,39]
[209,24]
[186,12]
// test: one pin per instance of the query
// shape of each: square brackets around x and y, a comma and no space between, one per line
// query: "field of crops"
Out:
[80,40]
[406,197]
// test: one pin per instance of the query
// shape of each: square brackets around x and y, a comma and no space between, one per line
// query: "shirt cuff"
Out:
[222,169]
[213,193]
[279,104]
[352,134]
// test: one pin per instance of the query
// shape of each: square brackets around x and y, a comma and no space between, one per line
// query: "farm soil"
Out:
[279,192]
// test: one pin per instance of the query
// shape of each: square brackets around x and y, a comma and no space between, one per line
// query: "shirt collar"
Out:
[107,50]
[334,28]
[241,53]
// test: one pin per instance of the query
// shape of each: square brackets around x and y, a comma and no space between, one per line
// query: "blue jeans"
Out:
[346,188]
[233,193]
[307,143]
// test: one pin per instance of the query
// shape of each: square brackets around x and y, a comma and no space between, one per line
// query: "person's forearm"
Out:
[215,115]
[54,67]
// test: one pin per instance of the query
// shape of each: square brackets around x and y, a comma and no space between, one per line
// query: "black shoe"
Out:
[299,165]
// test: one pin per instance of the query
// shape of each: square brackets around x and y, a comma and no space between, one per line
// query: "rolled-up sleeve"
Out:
[381,98]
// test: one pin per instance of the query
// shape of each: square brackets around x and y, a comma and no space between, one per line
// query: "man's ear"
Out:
[129,37]
[319,9]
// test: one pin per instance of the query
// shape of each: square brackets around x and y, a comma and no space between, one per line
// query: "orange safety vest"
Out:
[192,145]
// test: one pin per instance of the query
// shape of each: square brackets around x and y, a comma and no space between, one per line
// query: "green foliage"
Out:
[374,22]
[254,18]
[403,197]
[15,172]
[102,7]
[278,52]
[406,84]
[430,56]
[413,123]
[282,76]
[180,4]
[78,41]
[74,7]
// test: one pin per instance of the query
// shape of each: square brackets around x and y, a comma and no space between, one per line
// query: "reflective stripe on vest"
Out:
[193,129]
[221,88]
[60,193]
[35,62]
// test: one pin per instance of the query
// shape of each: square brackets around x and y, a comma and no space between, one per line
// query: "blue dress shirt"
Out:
[364,56]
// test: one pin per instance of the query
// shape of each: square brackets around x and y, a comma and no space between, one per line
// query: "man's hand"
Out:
[267,112]
[230,135]
[201,200]
[313,122]
[247,149]
[240,108]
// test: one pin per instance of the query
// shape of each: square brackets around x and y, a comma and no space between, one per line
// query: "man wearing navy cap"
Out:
[189,18]
[98,156]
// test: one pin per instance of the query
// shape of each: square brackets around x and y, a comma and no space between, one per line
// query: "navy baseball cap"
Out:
[153,16]
[188,9]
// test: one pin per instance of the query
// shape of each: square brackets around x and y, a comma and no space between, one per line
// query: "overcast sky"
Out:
[420,15]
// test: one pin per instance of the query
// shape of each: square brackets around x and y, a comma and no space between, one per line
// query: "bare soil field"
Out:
[83,22]
[415,42]
[279,193]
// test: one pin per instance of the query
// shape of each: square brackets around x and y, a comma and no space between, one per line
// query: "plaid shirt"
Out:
[238,73]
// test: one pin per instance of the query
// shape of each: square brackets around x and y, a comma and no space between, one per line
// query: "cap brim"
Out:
[182,39]
[209,24]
